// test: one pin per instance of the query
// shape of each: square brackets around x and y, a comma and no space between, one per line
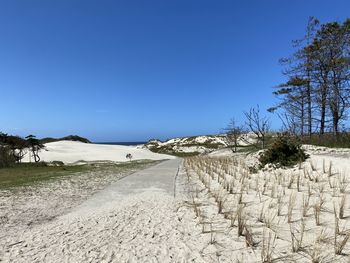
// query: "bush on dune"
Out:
[285,151]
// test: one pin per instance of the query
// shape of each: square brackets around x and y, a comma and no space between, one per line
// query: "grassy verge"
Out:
[328,140]
[183,154]
[25,174]
[248,148]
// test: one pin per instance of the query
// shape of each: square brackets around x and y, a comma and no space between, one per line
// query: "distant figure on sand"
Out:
[129,156]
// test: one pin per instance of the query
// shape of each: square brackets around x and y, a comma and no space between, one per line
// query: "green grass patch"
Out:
[25,174]
[170,151]
[183,154]
[251,148]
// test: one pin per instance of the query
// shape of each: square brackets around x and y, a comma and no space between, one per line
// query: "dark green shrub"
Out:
[285,151]
[6,157]
[75,138]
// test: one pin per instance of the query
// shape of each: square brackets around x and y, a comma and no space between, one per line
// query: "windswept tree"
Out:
[233,132]
[320,78]
[258,124]
[35,146]
[18,147]
[12,149]
[317,91]
[293,98]
[332,44]
[296,94]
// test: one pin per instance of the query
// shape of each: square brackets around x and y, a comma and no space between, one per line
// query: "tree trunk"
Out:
[309,110]
[335,105]
[308,93]
[323,107]
[302,116]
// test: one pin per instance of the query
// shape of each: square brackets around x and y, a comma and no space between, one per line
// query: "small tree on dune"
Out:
[233,133]
[129,156]
[34,145]
[258,124]
[18,147]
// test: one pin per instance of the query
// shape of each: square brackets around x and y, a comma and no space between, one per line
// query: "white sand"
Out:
[71,152]
[211,178]
[139,220]
[31,206]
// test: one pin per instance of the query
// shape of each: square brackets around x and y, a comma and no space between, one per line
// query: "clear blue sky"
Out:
[133,70]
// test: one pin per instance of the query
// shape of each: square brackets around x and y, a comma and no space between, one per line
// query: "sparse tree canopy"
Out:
[129,156]
[35,145]
[315,97]
[233,133]
[17,146]
[258,124]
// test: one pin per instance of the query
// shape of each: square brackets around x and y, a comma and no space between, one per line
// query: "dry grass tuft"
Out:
[297,240]
[291,204]
[241,220]
[268,245]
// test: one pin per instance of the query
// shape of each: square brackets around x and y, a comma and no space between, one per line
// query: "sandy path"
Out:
[158,178]
[135,219]
[27,206]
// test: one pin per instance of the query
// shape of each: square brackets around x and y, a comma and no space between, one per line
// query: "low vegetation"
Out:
[66,138]
[187,146]
[14,148]
[6,158]
[25,174]
[29,173]
[342,140]
[286,215]
[284,151]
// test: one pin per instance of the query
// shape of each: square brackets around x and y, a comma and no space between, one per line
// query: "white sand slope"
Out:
[71,152]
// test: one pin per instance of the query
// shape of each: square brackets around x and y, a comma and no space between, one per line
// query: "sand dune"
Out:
[71,152]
